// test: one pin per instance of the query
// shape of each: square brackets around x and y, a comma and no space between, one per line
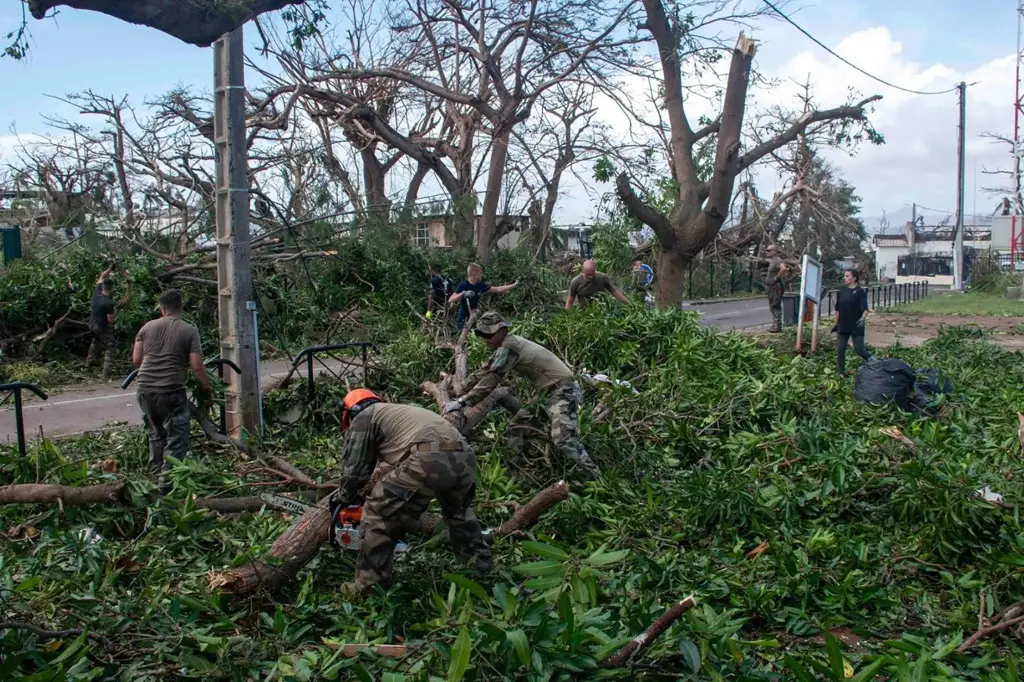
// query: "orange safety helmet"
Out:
[355,402]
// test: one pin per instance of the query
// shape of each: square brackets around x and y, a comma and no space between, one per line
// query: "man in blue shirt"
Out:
[468,293]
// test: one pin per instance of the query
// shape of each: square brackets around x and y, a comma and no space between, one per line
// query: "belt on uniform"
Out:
[447,446]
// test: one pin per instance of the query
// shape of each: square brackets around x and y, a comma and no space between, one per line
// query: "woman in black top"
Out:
[851,311]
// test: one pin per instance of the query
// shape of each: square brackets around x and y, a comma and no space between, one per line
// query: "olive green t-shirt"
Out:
[582,289]
[166,346]
[396,428]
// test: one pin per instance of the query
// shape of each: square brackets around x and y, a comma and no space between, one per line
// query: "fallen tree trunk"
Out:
[231,505]
[297,546]
[46,493]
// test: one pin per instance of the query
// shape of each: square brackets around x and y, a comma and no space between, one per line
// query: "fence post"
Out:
[732,275]
[926,288]
[690,286]
[712,286]
[750,285]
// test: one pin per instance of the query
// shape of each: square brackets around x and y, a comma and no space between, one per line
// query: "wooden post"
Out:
[814,327]
[234,252]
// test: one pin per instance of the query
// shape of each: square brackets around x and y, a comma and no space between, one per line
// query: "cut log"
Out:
[297,546]
[230,505]
[289,553]
[643,640]
[45,493]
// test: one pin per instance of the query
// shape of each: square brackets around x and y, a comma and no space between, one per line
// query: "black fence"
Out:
[880,296]
[309,355]
[19,420]
[707,278]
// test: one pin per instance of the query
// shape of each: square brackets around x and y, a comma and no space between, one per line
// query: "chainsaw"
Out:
[345,526]
[344,532]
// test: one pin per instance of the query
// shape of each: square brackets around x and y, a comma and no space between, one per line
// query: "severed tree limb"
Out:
[297,545]
[51,634]
[627,653]
[231,505]
[279,464]
[46,493]
[1003,621]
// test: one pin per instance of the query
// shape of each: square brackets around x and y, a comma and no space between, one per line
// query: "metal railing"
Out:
[219,363]
[880,296]
[19,419]
[309,354]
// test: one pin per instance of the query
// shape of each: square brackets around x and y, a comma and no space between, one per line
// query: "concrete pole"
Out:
[234,252]
[958,240]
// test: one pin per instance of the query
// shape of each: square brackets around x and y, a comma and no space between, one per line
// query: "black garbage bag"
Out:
[882,381]
[929,385]
[932,382]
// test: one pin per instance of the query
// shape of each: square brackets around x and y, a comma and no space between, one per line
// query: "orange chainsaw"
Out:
[344,531]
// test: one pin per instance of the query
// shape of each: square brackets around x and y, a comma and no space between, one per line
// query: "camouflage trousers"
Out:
[403,495]
[775,305]
[102,342]
[562,411]
[167,418]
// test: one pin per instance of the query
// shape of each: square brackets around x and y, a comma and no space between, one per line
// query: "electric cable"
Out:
[851,64]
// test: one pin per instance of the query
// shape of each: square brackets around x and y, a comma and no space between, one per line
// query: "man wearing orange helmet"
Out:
[430,458]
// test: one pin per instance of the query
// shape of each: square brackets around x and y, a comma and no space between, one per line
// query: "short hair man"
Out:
[429,459]
[515,354]
[589,284]
[468,293]
[104,311]
[774,286]
[165,349]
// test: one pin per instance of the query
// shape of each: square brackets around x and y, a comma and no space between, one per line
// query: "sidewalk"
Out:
[91,408]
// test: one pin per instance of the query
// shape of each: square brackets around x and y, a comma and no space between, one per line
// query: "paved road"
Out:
[95,407]
[741,314]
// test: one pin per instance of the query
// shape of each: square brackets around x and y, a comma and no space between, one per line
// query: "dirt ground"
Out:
[885,329]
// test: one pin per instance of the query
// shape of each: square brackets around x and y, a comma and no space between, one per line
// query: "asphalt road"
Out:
[740,314]
[95,407]
[104,405]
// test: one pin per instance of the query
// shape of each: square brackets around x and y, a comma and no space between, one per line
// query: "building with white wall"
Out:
[925,253]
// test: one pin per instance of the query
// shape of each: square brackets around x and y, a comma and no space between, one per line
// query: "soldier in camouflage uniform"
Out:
[774,287]
[430,459]
[548,373]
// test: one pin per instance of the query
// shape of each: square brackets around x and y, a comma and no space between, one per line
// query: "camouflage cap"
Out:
[489,323]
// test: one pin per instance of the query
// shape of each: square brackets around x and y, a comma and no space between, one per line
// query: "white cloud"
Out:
[918,161]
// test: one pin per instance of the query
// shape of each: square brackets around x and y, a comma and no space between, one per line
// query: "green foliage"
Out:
[727,445]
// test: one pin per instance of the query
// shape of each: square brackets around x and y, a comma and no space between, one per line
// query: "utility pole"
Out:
[958,237]
[234,252]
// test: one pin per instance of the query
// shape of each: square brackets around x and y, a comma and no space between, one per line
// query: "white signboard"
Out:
[810,279]
[810,290]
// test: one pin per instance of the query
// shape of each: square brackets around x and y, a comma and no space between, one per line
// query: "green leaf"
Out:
[546,551]
[460,656]
[799,671]
[869,673]
[601,558]
[474,587]
[691,655]
[521,645]
[540,568]
[835,656]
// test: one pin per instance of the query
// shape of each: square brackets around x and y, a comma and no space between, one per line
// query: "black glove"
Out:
[469,294]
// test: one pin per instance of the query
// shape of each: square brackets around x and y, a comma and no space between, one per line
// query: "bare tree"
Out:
[491,63]
[700,207]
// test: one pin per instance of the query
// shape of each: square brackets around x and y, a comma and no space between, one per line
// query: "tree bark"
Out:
[43,493]
[198,22]
[487,229]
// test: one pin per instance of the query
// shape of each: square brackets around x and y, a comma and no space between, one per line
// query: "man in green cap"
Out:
[515,354]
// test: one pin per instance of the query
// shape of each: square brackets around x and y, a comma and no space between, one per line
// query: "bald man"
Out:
[589,284]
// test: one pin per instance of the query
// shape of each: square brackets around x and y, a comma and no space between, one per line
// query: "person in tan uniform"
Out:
[164,350]
[429,458]
[589,284]
[549,374]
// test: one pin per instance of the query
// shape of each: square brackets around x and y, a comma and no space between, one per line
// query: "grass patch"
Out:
[963,304]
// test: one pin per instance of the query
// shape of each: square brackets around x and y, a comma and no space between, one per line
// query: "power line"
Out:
[851,64]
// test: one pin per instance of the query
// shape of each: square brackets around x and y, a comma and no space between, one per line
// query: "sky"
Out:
[917,44]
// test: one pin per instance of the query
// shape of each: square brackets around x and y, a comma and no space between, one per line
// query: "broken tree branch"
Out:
[627,653]
[47,493]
